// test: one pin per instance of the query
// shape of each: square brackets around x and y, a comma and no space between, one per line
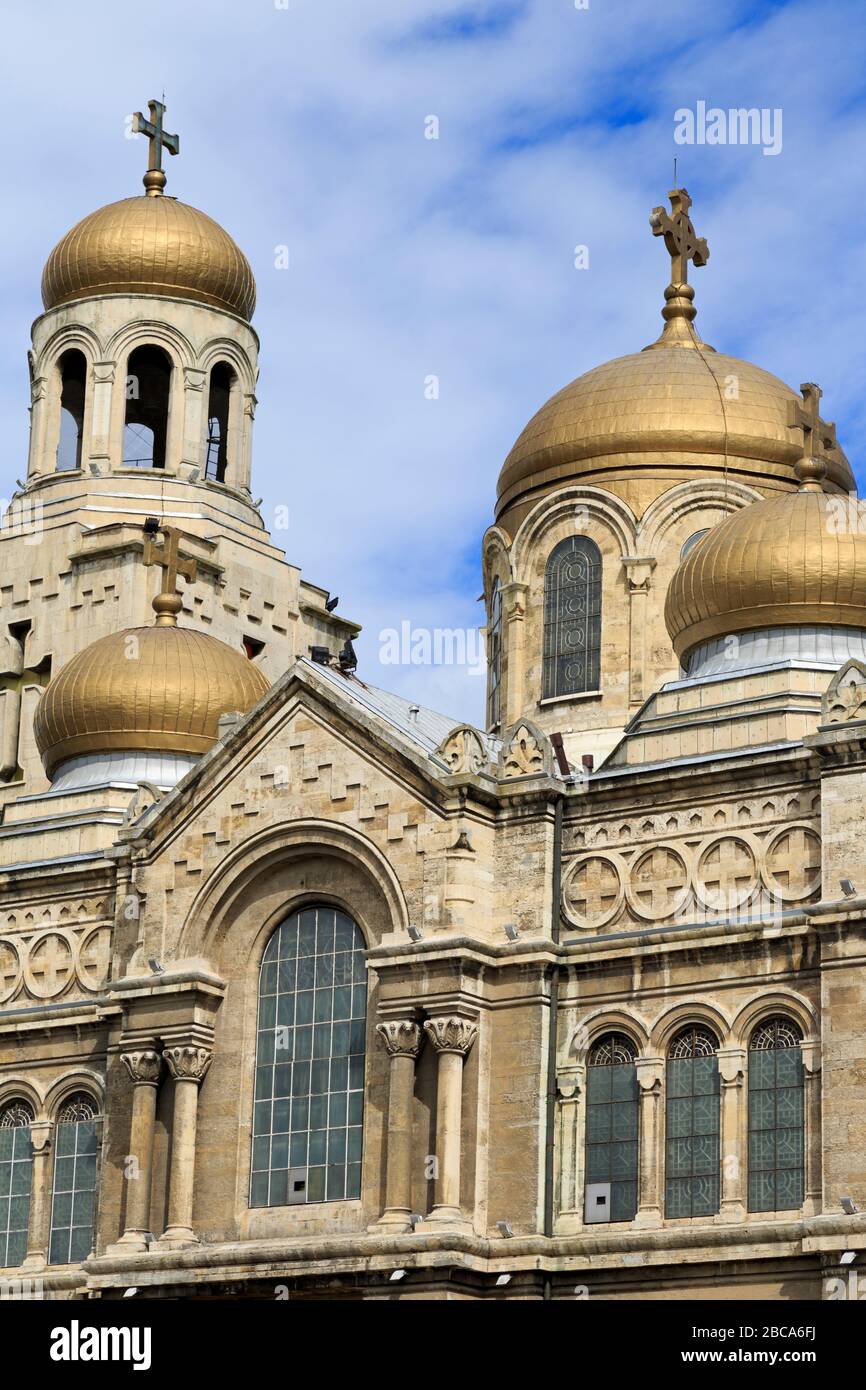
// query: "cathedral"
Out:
[307,991]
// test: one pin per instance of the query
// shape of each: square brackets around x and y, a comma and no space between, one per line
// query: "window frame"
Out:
[776,1022]
[691,1040]
[95,1121]
[613,1071]
[560,626]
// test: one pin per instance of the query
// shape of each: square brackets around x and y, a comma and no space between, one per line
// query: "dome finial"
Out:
[683,246]
[819,438]
[159,140]
[168,602]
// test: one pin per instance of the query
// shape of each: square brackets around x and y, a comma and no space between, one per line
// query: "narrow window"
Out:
[16,1161]
[73,386]
[692,542]
[73,1209]
[309,1091]
[693,1120]
[148,384]
[776,1117]
[611,1130]
[494,658]
[219,400]
[572,618]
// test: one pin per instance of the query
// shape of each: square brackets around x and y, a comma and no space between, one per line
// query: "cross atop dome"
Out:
[166,554]
[159,140]
[683,245]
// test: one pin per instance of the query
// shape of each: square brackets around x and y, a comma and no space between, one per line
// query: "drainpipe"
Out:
[550,1121]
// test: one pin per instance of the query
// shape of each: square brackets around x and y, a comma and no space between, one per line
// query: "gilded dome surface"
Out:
[150,245]
[788,560]
[673,405]
[147,688]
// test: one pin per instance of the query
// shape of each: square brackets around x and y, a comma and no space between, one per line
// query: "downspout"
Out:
[552,1030]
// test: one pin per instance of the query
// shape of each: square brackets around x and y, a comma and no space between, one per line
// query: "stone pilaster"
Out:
[812,1194]
[188,1065]
[650,1076]
[401,1038]
[638,571]
[733,1137]
[144,1066]
[40,1197]
[452,1037]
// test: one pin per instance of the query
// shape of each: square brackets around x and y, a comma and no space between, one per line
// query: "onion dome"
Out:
[787,561]
[678,410]
[147,689]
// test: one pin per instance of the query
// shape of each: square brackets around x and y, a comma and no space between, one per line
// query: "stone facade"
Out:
[515,906]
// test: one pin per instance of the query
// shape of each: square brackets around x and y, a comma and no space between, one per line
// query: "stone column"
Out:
[569,1090]
[144,1068]
[650,1073]
[638,571]
[732,1071]
[103,412]
[194,406]
[40,1197]
[813,1189]
[452,1037]
[514,653]
[401,1038]
[188,1066]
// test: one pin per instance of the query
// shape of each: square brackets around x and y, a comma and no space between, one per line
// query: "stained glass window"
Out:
[16,1158]
[693,1124]
[309,1092]
[494,658]
[612,1122]
[572,618]
[73,1209]
[776,1117]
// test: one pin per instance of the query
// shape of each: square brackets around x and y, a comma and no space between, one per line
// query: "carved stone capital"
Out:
[188,1063]
[401,1037]
[649,1072]
[194,378]
[732,1065]
[450,1033]
[143,1067]
[638,570]
[103,373]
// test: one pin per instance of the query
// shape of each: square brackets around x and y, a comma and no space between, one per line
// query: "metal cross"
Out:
[818,436]
[167,556]
[679,234]
[159,139]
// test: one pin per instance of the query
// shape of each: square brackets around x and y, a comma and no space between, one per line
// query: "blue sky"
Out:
[305,126]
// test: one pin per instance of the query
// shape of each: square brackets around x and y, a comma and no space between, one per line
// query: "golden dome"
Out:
[150,245]
[787,560]
[148,688]
[678,410]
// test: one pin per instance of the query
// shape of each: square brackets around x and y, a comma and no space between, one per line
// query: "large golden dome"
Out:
[789,560]
[150,245]
[145,689]
[680,411]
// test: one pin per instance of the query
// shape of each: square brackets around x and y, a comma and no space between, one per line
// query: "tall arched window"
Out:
[222,379]
[73,1208]
[73,387]
[776,1118]
[692,542]
[693,1123]
[148,386]
[572,618]
[16,1162]
[309,1093]
[611,1130]
[494,658]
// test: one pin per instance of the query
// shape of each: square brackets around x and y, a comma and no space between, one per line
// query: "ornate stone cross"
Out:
[819,438]
[680,238]
[166,554]
[159,140]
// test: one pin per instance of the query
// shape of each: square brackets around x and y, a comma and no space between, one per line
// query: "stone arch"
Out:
[678,501]
[602,506]
[680,1015]
[762,1006]
[72,1083]
[588,1031]
[495,558]
[14,1086]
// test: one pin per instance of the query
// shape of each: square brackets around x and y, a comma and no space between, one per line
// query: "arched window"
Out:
[494,658]
[73,387]
[16,1161]
[148,385]
[611,1130]
[572,618]
[73,1208]
[309,1093]
[776,1119]
[693,1118]
[222,379]
[692,542]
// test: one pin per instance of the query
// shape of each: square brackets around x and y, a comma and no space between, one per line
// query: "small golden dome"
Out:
[150,245]
[684,409]
[148,688]
[789,560]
